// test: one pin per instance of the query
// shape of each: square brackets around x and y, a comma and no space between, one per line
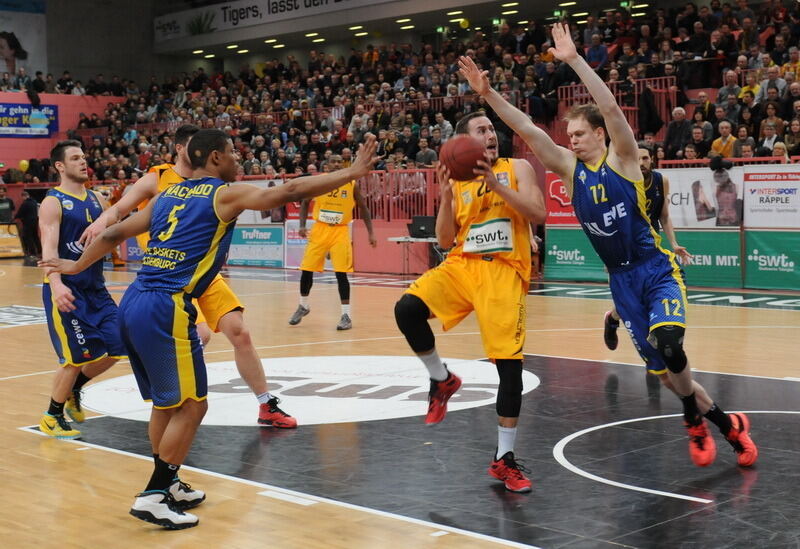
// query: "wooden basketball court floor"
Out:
[605,447]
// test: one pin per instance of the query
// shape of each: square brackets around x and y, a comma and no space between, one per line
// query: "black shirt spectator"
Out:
[6,207]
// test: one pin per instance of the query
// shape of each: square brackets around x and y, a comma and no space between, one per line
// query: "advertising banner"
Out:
[22,120]
[717,257]
[558,202]
[23,36]
[257,246]
[771,197]
[772,260]
[246,13]
[700,198]
[568,255]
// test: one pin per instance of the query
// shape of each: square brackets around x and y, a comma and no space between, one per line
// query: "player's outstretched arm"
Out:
[556,159]
[231,201]
[144,189]
[620,132]
[108,240]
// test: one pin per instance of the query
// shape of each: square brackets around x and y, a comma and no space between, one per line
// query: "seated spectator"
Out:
[689,152]
[723,145]
[771,112]
[792,137]
[678,133]
[700,143]
[765,145]
[730,87]
[773,80]
[705,126]
[779,149]
[425,158]
[742,139]
[746,151]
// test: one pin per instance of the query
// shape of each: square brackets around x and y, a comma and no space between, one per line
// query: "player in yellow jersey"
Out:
[219,309]
[332,214]
[486,222]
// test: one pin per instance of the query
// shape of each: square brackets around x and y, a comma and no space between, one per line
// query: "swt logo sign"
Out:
[772,262]
[567,257]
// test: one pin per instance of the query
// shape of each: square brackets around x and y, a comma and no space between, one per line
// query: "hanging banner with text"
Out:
[701,198]
[717,257]
[568,255]
[771,198]
[772,260]
[246,13]
[22,120]
[23,45]
[257,246]
[558,202]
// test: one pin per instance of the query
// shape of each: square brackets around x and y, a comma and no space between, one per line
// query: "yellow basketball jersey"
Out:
[167,177]
[336,207]
[487,226]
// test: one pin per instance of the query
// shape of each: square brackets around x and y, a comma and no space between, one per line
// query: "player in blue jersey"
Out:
[190,225]
[656,191]
[81,316]
[602,175]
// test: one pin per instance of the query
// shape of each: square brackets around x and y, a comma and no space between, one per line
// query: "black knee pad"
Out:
[412,315]
[509,392]
[669,342]
[344,286]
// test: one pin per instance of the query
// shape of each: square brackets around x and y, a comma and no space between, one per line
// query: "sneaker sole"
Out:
[266,423]
[341,329]
[293,322]
[186,505]
[60,437]
[519,491]
[147,516]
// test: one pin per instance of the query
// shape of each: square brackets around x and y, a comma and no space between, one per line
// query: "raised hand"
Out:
[445,183]
[564,49]
[478,79]
[366,158]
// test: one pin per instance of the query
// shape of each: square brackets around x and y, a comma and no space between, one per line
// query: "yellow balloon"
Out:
[464,23]
[23,165]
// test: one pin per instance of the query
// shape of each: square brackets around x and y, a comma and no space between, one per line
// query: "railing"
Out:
[704,162]
[628,97]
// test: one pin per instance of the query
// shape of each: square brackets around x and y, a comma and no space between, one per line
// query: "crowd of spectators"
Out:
[288,118]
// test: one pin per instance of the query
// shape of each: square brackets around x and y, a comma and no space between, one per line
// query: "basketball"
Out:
[460,155]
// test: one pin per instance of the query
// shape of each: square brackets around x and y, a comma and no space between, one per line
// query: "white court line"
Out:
[788,309]
[450,334]
[558,454]
[287,497]
[301,495]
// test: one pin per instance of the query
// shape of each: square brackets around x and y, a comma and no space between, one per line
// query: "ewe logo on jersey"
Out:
[317,390]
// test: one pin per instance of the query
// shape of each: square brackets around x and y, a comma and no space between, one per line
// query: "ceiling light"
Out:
[197,51]
[318,40]
[581,14]
[580,22]
[270,41]
[243,51]
[477,28]
[510,4]
[407,27]
[565,4]
[641,6]
[310,34]
[457,12]
[356,27]
[361,33]
[209,56]
[276,46]
[233,46]
[406,20]
[509,12]
[456,20]
[641,13]
[522,22]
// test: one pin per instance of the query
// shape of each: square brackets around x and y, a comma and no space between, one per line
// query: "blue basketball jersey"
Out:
[612,212]
[654,193]
[188,242]
[77,213]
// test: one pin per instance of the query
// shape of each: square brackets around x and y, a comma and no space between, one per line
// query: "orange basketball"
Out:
[461,154]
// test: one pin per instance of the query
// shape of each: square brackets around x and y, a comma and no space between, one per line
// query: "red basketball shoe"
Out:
[511,473]
[440,393]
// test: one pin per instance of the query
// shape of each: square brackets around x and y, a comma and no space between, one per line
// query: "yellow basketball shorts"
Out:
[217,301]
[326,238]
[494,290]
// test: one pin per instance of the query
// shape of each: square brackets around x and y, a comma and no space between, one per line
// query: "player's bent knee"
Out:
[669,342]
[410,309]
[509,391]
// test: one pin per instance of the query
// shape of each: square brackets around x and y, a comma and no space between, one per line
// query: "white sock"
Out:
[263,398]
[304,301]
[346,309]
[505,440]
[435,366]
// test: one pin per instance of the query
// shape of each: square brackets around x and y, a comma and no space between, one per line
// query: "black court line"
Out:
[438,473]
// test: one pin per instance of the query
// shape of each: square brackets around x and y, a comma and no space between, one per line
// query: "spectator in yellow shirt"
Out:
[794,62]
[723,145]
